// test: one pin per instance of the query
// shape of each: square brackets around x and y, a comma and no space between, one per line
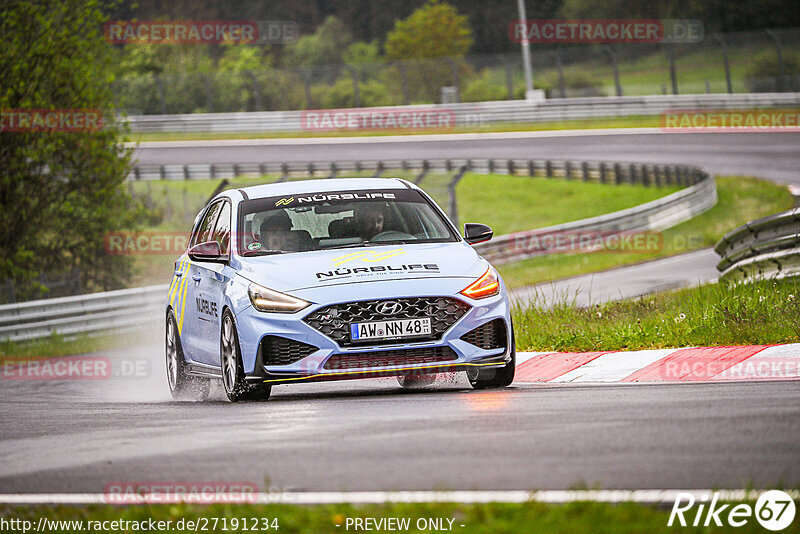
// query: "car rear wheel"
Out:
[495,378]
[233,380]
[416,381]
[181,386]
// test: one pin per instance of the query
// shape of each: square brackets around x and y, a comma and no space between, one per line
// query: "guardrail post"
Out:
[645,176]
[567,170]
[602,172]
[333,170]
[632,175]
[510,167]
[284,172]
[617,173]
[137,174]
[379,170]
[657,170]
[585,171]
[235,170]
[310,168]
[162,172]
[548,168]
[668,174]
[262,169]
[490,165]
[185,172]
[212,172]
[531,168]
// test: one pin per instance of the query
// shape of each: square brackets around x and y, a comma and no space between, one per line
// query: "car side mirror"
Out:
[208,251]
[477,233]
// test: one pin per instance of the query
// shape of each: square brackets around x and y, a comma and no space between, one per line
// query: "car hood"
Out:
[308,270]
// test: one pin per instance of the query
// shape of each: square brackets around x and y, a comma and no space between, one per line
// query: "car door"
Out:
[187,312]
[210,296]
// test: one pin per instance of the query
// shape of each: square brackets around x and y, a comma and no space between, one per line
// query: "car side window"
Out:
[222,230]
[206,226]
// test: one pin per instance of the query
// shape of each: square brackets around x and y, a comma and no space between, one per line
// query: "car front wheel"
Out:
[233,380]
[495,378]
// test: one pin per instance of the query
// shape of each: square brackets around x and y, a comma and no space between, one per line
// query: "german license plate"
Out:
[393,329]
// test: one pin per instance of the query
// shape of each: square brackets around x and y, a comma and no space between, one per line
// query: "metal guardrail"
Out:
[130,309]
[768,247]
[469,114]
[125,309]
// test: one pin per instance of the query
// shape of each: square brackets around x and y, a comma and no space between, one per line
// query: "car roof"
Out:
[300,187]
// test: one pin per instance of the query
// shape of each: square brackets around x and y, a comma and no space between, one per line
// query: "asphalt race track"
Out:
[371,435]
[774,156]
[80,436]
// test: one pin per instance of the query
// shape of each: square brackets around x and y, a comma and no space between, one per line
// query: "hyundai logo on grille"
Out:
[390,307]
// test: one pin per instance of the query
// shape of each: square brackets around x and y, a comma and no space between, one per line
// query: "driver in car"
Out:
[370,218]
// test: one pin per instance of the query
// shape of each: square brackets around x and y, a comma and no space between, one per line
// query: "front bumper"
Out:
[254,326]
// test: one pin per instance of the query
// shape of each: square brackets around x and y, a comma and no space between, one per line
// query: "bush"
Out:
[484,88]
[576,84]
[763,76]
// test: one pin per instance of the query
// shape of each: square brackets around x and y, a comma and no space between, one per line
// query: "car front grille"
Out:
[334,321]
[491,335]
[389,358]
[276,350]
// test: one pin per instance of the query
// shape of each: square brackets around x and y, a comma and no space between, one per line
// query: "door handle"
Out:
[196,277]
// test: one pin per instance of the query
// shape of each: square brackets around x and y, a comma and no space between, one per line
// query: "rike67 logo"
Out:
[774,510]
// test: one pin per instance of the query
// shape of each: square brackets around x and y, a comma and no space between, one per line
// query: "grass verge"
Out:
[763,312]
[634,121]
[494,518]
[740,199]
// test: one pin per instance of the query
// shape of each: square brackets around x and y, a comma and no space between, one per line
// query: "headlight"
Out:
[267,300]
[487,285]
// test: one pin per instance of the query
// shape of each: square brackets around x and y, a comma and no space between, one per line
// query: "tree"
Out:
[62,191]
[434,30]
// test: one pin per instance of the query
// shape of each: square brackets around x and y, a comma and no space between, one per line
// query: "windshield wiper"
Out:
[366,244]
[267,252]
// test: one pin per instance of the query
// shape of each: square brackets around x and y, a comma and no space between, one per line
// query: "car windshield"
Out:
[341,219]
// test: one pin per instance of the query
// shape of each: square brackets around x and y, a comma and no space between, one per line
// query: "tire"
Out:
[233,380]
[416,381]
[495,378]
[181,386]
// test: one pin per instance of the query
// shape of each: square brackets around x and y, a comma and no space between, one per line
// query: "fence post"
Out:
[356,93]
[379,170]
[509,79]
[548,167]
[256,92]
[425,168]
[602,172]
[585,171]
[617,173]
[284,172]
[779,50]
[403,81]
[531,168]
[725,62]
[608,50]
[632,175]
[673,75]
[561,87]
[567,170]
[451,188]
